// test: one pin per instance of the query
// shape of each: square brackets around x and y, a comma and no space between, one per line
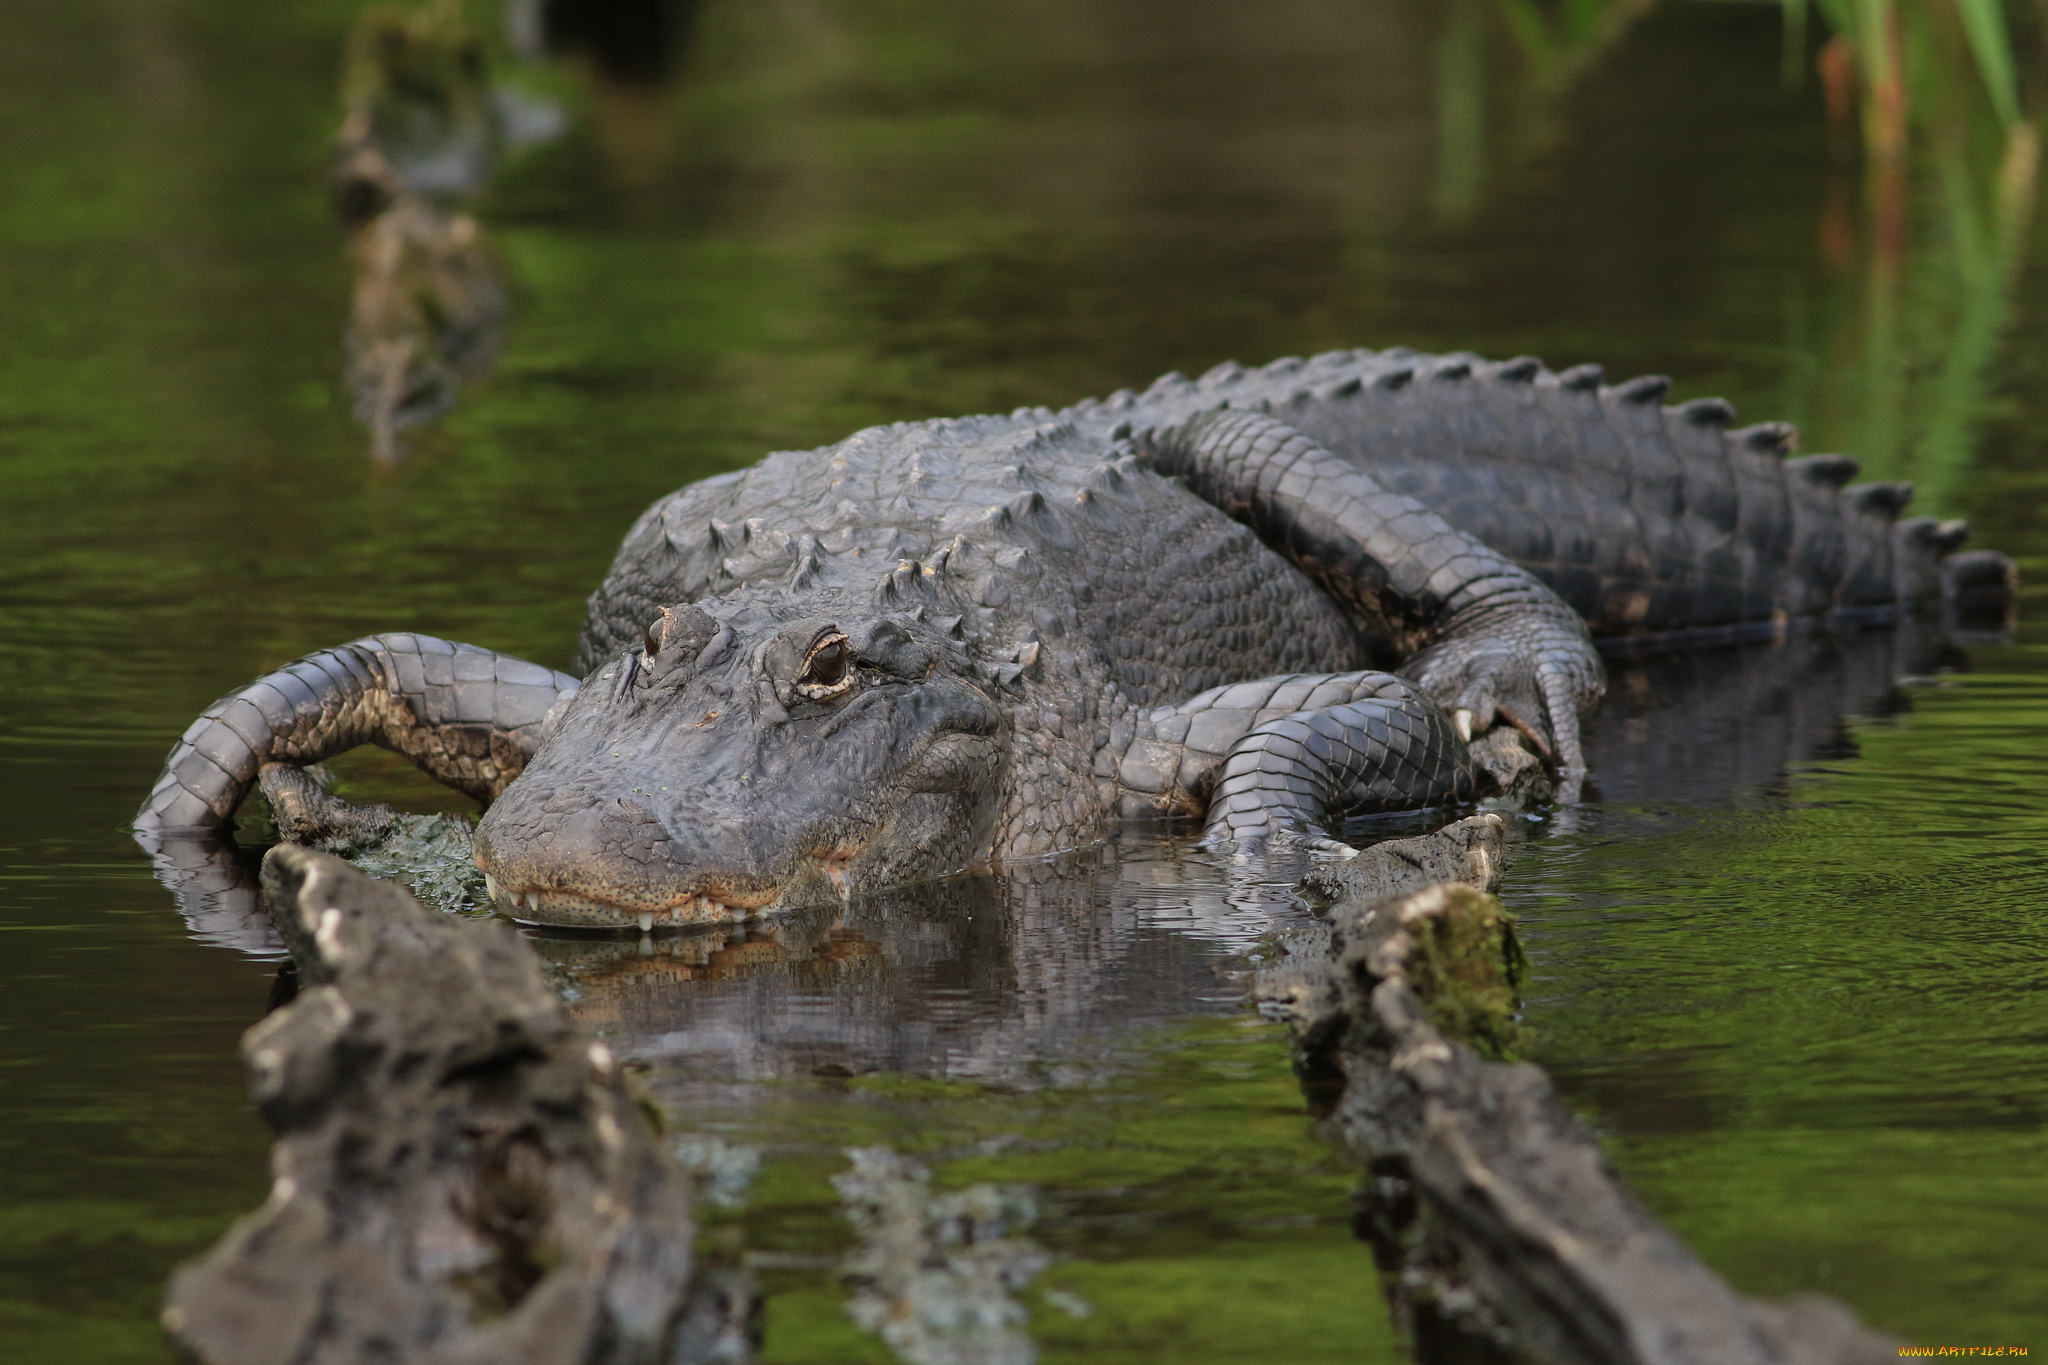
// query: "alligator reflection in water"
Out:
[1706,727]
[1042,973]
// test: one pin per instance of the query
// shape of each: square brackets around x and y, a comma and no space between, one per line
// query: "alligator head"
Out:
[751,757]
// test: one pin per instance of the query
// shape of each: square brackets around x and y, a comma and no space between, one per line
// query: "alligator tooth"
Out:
[490,886]
[1461,721]
[646,922]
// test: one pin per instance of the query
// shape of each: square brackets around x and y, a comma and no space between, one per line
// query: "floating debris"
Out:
[936,1275]
[725,1171]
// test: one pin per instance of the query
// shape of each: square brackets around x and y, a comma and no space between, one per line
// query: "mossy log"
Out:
[460,1176]
[1500,1229]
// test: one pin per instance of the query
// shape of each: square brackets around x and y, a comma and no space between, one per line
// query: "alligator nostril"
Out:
[676,637]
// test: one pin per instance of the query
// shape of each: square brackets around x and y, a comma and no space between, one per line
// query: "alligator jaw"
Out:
[557,909]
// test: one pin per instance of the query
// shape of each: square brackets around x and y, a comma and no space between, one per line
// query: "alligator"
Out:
[1267,598]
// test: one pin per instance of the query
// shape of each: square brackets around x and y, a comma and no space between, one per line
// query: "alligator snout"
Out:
[566,857]
[741,763]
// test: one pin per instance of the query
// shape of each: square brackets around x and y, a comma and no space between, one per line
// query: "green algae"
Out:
[1468,967]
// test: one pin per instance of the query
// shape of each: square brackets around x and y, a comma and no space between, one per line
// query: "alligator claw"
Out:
[1561,699]
[1537,677]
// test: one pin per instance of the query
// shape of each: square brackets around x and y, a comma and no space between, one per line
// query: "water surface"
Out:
[1790,963]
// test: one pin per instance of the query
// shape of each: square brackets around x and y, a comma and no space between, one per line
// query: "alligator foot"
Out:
[1534,673]
[1395,751]
[432,854]
[308,813]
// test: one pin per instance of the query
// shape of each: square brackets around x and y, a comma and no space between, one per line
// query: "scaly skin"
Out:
[941,643]
[469,716]
[1644,517]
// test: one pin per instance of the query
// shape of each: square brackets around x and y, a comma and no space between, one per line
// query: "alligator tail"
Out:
[1648,517]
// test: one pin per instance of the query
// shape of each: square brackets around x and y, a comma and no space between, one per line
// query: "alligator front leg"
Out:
[1486,638]
[1295,752]
[466,716]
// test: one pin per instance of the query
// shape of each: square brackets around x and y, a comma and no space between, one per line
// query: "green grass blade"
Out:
[1984,23]
[1873,36]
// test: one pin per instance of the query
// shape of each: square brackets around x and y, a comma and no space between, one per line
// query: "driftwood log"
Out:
[460,1176]
[1500,1230]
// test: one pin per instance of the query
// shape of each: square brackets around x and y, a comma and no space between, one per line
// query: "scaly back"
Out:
[1645,517]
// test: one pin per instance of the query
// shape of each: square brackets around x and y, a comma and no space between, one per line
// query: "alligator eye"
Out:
[828,670]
